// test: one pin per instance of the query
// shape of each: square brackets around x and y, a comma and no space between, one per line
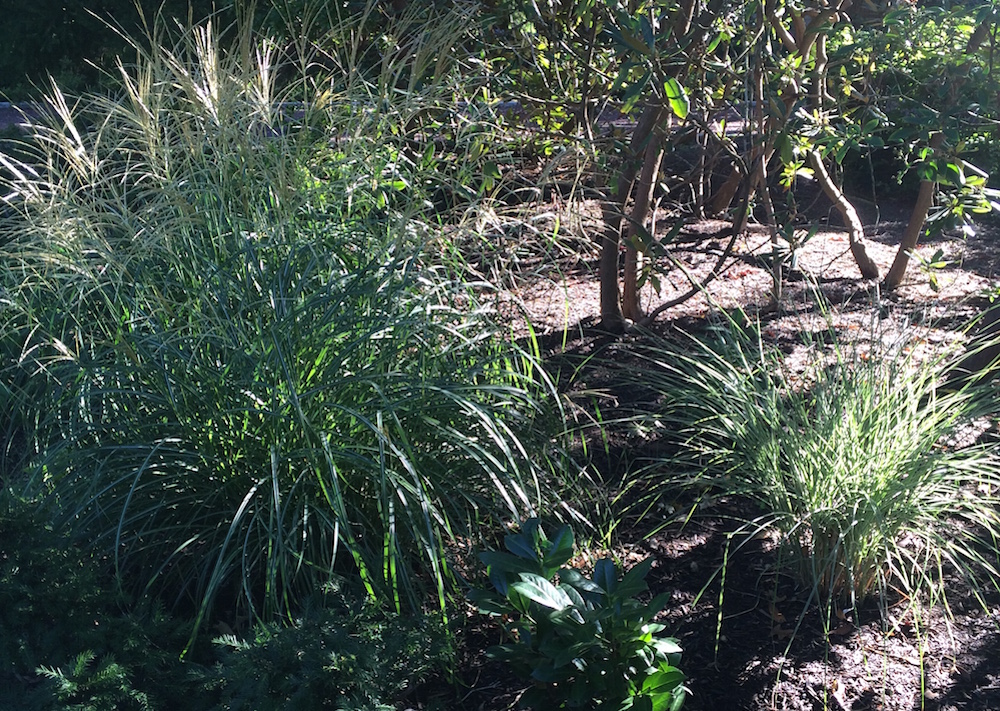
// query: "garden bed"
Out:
[268,398]
[767,649]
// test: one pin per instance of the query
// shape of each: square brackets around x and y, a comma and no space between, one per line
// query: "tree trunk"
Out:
[640,213]
[613,212]
[911,235]
[723,197]
[855,230]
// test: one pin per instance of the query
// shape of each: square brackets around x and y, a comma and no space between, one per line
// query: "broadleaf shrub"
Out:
[582,642]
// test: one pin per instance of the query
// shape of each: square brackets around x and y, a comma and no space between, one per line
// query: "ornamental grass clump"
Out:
[235,382]
[858,462]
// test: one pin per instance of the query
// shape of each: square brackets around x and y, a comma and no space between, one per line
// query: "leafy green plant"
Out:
[66,643]
[930,266]
[858,461]
[583,642]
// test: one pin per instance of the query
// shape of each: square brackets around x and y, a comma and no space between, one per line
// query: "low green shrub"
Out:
[345,656]
[50,593]
[860,462]
[85,686]
[67,643]
[582,642]
[59,613]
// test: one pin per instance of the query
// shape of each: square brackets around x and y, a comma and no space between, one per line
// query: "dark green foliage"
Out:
[49,593]
[86,686]
[59,613]
[66,643]
[346,657]
[73,41]
[584,642]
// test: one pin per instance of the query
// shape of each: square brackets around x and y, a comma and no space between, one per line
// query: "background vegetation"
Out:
[75,42]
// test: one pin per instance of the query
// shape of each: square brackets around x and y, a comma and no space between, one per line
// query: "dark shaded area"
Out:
[75,41]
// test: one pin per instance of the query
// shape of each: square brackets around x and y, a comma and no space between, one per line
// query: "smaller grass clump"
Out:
[858,462]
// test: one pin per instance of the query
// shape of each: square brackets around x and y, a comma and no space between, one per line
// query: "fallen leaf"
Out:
[782,633]
[841,630]
[776,615]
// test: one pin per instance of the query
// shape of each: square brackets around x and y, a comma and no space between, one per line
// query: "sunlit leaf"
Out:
[680,104]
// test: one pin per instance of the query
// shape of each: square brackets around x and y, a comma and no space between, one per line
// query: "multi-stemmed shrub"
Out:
[860,461]
[241,382]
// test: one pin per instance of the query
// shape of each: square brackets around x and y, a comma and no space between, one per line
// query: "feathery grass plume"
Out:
[239,382]
[857,463]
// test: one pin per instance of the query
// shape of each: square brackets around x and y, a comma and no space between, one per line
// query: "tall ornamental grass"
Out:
[860,463]
[234,382]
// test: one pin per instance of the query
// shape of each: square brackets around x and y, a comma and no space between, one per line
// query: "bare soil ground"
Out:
[755,643]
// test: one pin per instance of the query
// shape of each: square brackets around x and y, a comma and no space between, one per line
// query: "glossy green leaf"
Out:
[498,562]
[538,589]
[522,545]
[663,686]
[560,548]
[634,582]
[666,646]
[488,604]
[647,33]
[572,576]
[635,91]
[680,104]
[713,45]
[606,575]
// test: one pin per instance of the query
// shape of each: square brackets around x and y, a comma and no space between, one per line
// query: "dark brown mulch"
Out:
[770,649]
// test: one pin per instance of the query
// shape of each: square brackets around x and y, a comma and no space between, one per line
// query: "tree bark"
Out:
[723,197]
[911,235]
[640,213]
[855,230]
[613,212]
